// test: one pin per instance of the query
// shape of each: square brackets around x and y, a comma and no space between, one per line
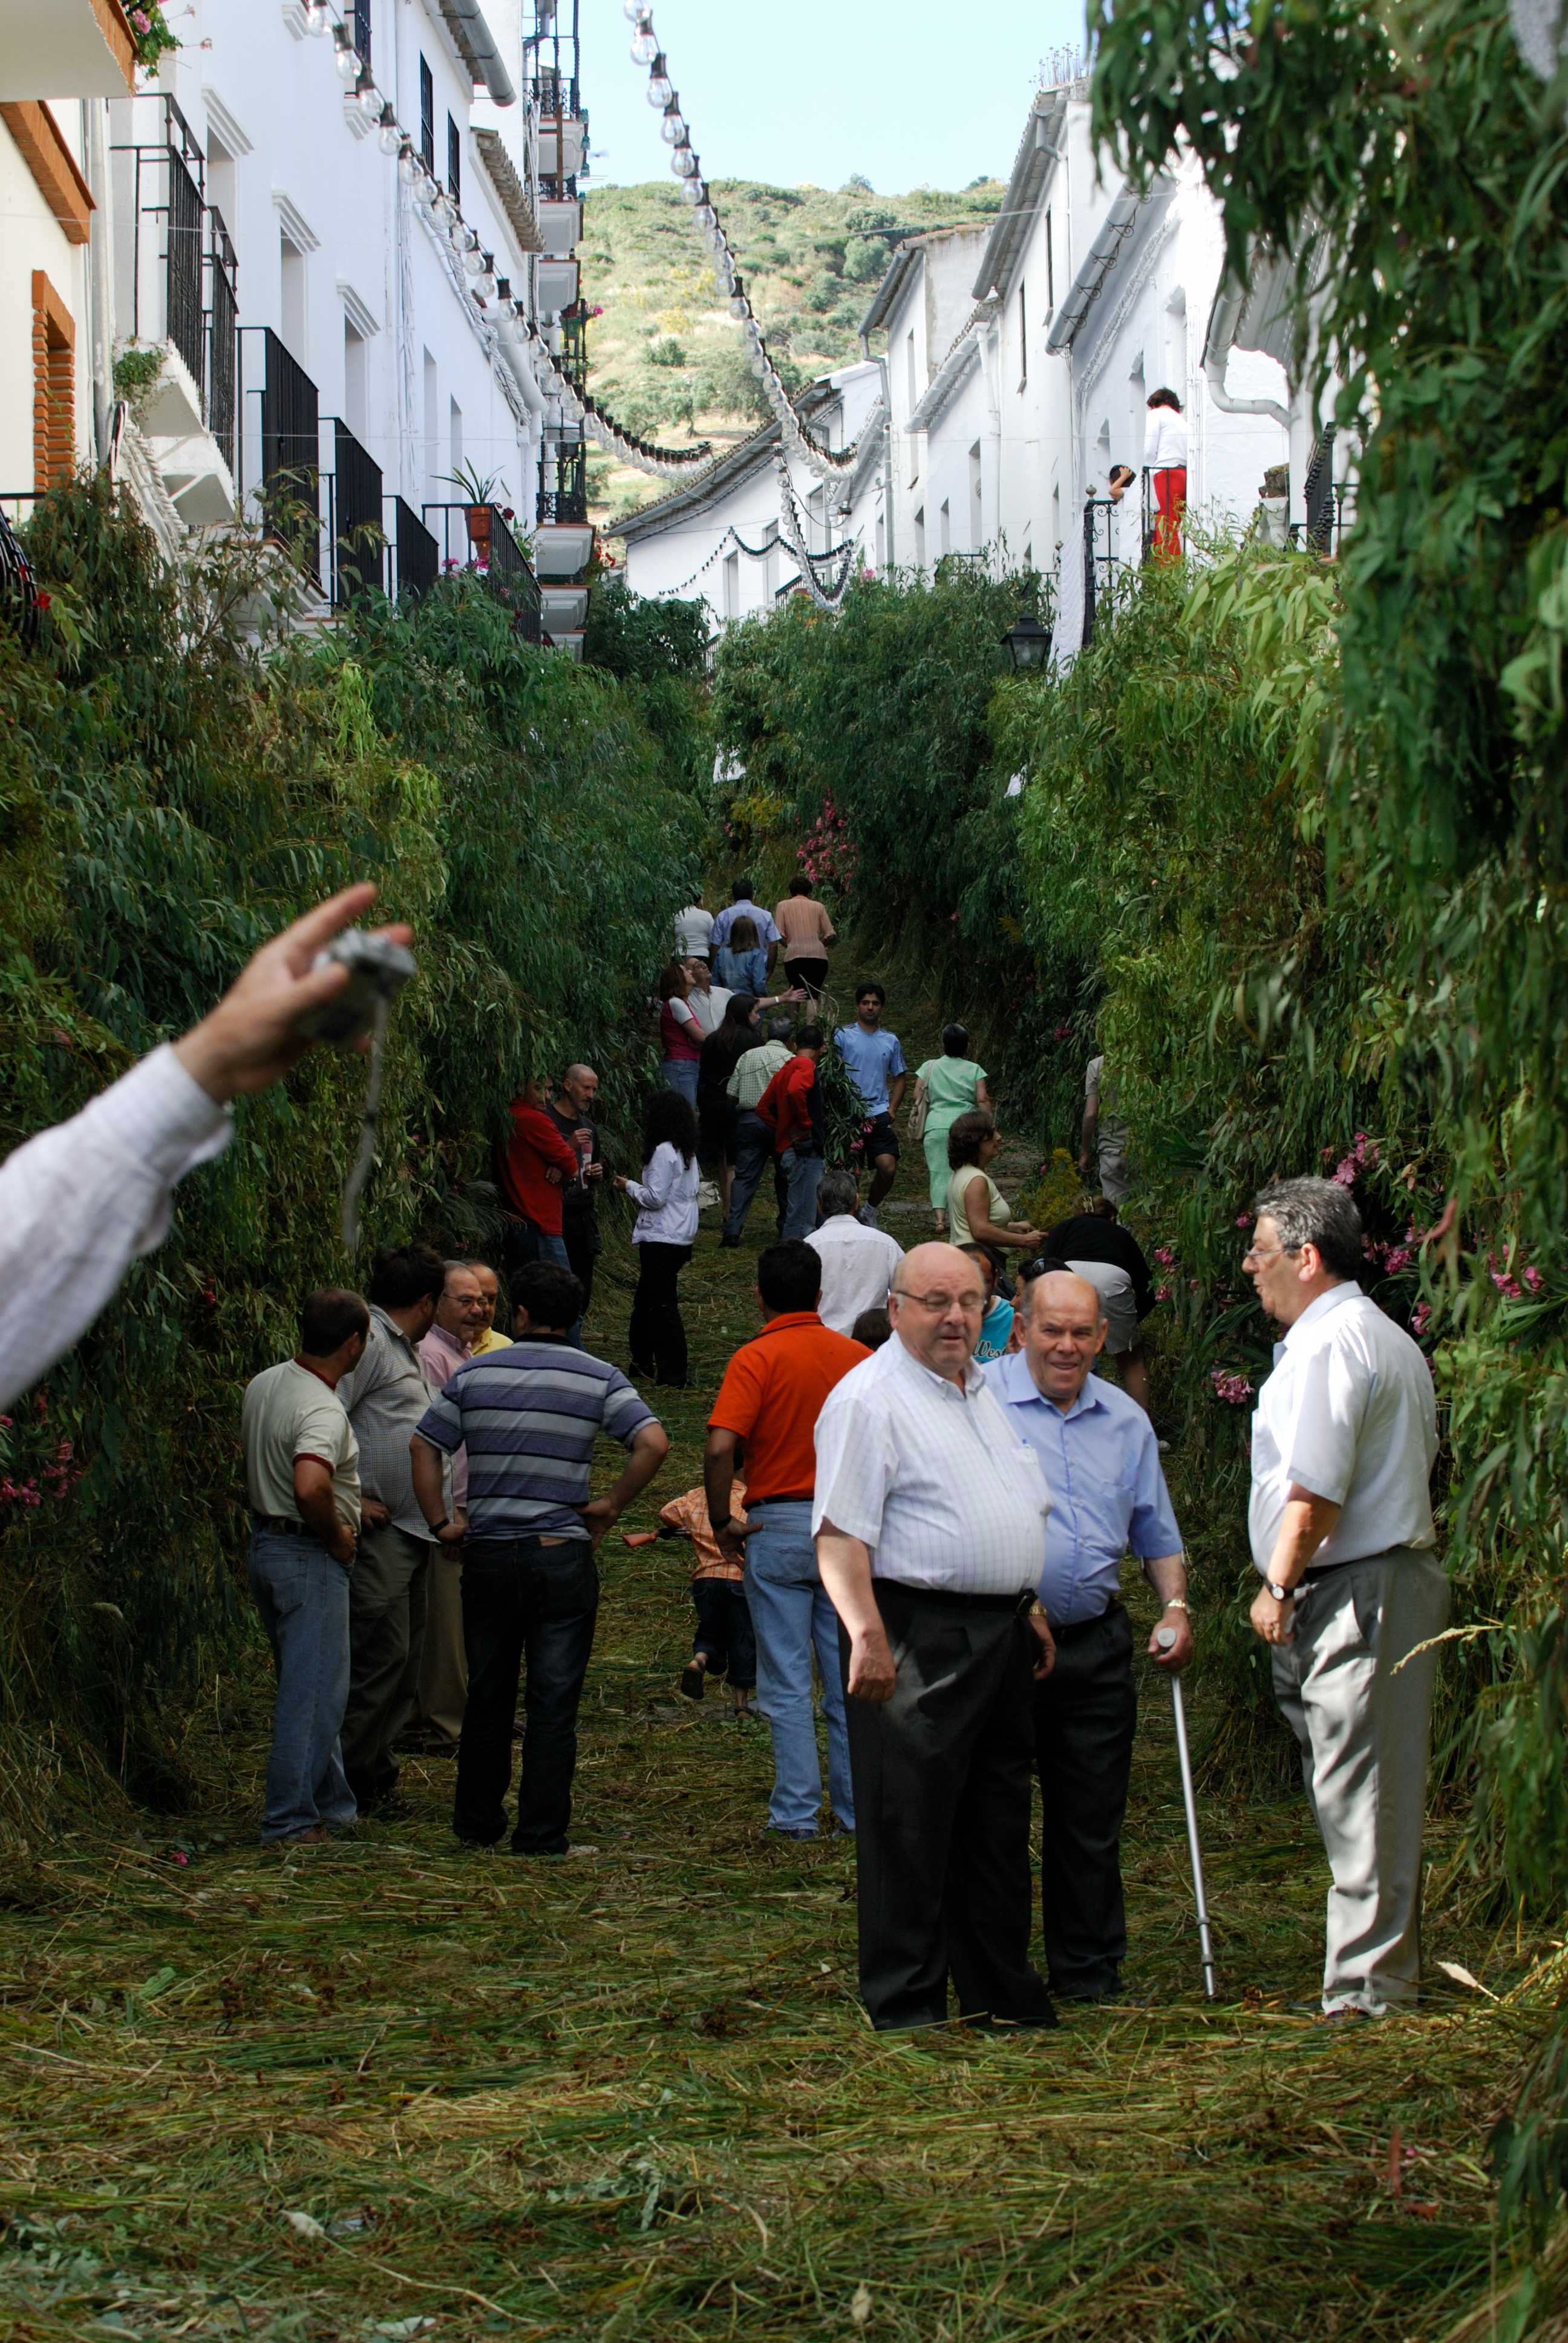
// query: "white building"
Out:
[735,539]
[332,250]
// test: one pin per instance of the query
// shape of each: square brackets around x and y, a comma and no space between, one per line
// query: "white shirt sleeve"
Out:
[663,1168]
[854,1467]
[683,1012]
[79,1203]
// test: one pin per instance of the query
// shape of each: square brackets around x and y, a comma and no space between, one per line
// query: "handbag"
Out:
[920,1114]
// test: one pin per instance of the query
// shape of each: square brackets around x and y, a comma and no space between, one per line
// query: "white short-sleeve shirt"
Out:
[1349,1413]
[935,1480]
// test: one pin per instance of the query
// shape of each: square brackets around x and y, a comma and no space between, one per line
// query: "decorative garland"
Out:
[826,598]
[645,51]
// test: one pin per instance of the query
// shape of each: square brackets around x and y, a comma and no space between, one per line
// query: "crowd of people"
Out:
[918,1494]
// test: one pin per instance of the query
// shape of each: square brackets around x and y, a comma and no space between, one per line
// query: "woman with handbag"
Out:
[945,1088]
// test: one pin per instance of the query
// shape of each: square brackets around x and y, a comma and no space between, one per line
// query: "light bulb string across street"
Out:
[496,307]
[826,462]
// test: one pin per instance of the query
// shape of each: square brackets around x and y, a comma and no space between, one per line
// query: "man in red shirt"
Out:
[791,1109]
[539,1162]
[771,1398]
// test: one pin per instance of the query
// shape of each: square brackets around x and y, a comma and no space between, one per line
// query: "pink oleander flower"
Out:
[1397,1260]
[1509,1287]
[1163,1293]
[1243,1219]
[1165,1256]
[1233,1389]
[1344,1175]
[1061,1033]
[1532,1279]
[1420,1317]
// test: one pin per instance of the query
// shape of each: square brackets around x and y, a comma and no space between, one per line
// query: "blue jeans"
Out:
[753,1154]
[523,1243]
[302,1595]
[792,1615]
[680,1074]
[805,1176]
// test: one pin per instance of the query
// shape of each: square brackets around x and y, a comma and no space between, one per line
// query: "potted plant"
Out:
[479,492]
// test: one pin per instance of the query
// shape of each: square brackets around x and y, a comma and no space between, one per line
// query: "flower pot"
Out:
[479,531]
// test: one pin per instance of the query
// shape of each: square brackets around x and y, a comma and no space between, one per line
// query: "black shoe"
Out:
[728,1244]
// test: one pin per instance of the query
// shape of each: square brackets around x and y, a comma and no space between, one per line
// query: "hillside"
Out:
[666,357]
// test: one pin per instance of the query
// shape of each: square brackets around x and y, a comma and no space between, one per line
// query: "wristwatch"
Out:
[436,1528]
[1279,1593]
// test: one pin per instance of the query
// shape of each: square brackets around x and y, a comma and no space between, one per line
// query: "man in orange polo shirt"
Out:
[770,1400]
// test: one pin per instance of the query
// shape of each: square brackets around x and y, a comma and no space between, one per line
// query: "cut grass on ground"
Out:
[395,2088]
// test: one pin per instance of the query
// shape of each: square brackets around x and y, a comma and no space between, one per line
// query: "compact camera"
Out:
[378,971]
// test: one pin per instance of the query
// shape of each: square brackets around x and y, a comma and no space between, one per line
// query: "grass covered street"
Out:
[391,2088]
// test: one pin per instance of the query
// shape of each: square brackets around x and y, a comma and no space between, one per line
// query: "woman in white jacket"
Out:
[666,1227]
[1165,458]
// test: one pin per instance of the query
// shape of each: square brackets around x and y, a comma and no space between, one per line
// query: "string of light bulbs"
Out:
[507,316]
[687,168]
[825,597]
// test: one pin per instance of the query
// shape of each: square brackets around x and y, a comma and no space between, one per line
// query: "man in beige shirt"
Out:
[302,1477]
[807,931]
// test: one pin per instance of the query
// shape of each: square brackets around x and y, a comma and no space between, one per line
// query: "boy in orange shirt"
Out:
[724,1643]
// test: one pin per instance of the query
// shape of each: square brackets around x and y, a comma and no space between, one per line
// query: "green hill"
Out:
[666,357]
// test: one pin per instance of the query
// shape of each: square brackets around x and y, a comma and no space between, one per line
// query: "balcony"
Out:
[563,482]
[282,463]
[563,126]
[18,595]
[560,227]
[65,48]
[413,553]
[355,535]
[176,283]
[555,285]
[477,538]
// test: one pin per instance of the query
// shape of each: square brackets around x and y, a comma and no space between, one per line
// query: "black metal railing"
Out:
[185,321]
[573,356]
[414,554]
[1100,566]
[223,339]
[358,13]
[290,455]
[1318,492]
[476,537]
[18,594]
[557,188]
[565,499]
[556,95]
[353,529]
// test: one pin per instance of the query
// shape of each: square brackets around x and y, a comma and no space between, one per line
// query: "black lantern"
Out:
[1027,643]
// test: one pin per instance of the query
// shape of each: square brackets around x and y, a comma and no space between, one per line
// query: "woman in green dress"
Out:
[953,1085]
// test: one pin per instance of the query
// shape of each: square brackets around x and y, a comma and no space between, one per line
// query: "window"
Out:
[427,117]
[432,427]
[291,308]
[355,380]
[944,530]
[1023,335]
[359,31]
[732,585]
[1050,272]
[455,436]
[54,385]
[454,161]
[920,538]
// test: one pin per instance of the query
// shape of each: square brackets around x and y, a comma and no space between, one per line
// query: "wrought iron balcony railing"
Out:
[477,537]
[291,455]
[556,95]
[354,531]
[415,557]
[178,273]
[18,594]
[223,339]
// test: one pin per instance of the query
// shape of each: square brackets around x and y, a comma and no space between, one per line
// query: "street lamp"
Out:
[1027,643]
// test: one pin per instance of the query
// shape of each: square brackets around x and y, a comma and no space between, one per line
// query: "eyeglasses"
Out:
[935,1305]
[1256,1255]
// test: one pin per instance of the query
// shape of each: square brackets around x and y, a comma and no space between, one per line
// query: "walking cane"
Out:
[1165,1638]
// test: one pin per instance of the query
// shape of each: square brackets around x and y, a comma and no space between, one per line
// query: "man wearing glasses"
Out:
[1343,1442]
[929,1521]
[1099,1456]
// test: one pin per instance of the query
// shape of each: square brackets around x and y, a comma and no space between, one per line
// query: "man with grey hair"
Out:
[1343,1442]
[859,1264]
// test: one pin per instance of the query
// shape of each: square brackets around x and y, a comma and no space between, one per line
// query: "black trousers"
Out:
[943,1784]
[1085,1715]
[811,973]
[583,1247]
[657,1337]
[725,1635]
[523,1602]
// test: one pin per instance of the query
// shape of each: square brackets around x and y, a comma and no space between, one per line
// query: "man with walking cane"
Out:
[1101,1465]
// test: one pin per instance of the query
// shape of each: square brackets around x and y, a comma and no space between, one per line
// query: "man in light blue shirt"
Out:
[741,907]
[1108,1495]
[877,1069]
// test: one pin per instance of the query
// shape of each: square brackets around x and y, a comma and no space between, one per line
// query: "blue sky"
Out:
[903,91]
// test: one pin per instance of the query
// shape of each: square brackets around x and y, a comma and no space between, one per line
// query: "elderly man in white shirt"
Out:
[1343,1442]
[81,1202]
[929,1524]
[859,1264]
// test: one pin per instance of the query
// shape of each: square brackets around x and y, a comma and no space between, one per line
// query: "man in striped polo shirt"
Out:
[529,1416]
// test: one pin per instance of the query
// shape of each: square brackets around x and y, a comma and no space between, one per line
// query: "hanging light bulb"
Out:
[474,258]
[347,58]
[368,99]
[758,365]
[694,189]
[390,137]
[316,19]
[683,162]
[672,128]
[425,191]
[644,49]
[633,10]
[705,216]
[739,306]
[440,204]
[407,161]
[660,88]
[485,283]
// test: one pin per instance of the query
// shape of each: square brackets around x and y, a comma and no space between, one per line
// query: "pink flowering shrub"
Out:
[1235,1390]
[827,855]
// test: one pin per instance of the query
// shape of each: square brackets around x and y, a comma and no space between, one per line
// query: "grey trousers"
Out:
[385,1633]
[1364,1726]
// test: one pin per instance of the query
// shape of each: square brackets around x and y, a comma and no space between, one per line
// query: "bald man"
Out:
[571,1112]
[1097,1450]
[929,1519]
